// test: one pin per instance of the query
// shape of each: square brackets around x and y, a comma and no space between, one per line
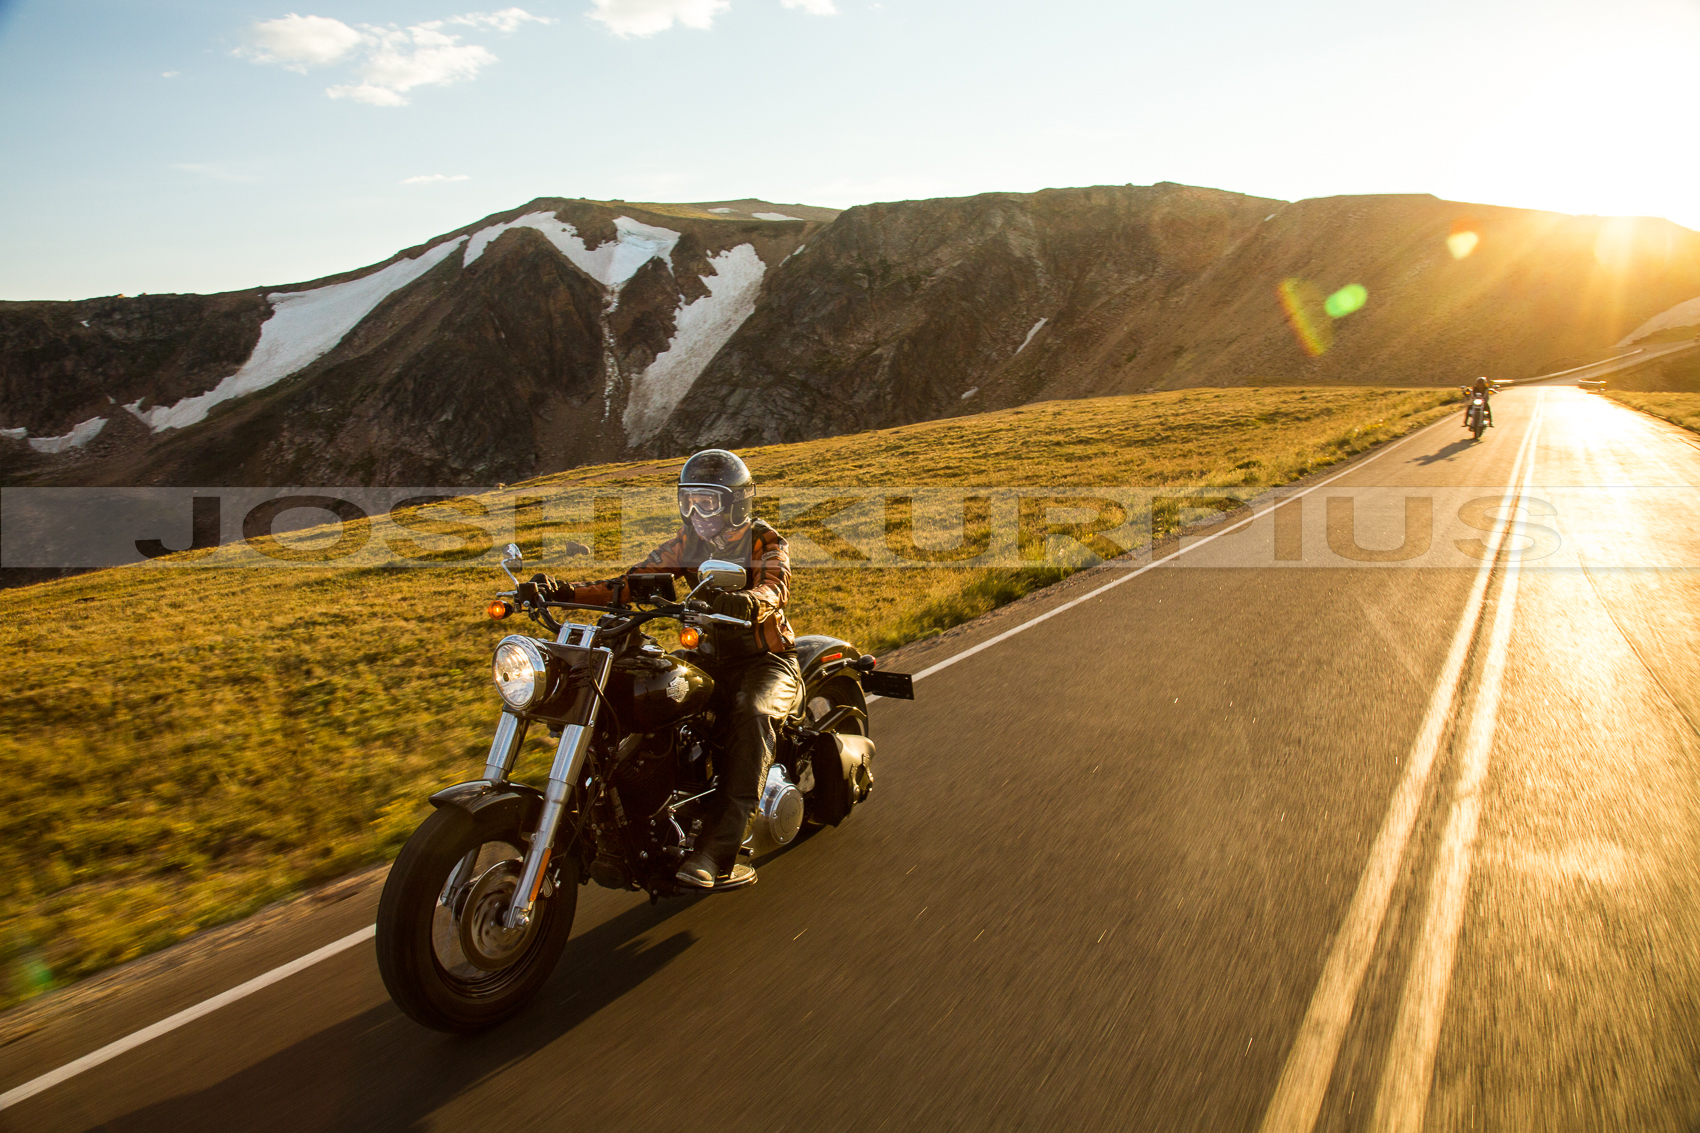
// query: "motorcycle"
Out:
[478,906]
[1475,414]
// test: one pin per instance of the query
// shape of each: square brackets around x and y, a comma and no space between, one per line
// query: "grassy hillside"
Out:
[184,746]
[1678,408]
[1679,374]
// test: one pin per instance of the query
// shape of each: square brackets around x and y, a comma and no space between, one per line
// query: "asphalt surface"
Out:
[1114,865]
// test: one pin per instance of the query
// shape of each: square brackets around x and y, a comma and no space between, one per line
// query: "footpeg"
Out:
[741,876]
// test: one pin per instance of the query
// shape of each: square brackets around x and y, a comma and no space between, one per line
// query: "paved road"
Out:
[1339,841]
[1639,356]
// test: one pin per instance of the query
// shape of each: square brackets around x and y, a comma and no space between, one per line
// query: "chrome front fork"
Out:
[498,765]
[504,748]
[564,775]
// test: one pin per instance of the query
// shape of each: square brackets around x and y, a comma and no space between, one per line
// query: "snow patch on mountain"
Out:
[1037,327]
[1684,314]
[304,326]
[79,436]
[611,263]
[703,327]
[773,216]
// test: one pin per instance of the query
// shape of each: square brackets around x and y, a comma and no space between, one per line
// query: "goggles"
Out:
[702,501]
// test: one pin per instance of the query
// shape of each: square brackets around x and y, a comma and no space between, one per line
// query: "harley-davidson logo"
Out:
[677,688]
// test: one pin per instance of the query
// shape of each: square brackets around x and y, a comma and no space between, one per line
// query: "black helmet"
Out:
[713,482]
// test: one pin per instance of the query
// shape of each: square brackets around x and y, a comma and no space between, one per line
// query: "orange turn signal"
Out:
[498,609]
[688,637]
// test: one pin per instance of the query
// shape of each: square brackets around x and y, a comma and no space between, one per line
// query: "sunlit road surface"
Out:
[1265,838]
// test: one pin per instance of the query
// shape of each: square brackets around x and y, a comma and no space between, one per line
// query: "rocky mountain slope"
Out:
[897,313]
[570,331]
[536,339]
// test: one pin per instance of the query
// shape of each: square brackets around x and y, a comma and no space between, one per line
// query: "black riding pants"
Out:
[751,696]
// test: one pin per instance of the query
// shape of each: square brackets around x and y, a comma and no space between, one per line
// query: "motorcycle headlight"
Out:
[520,671]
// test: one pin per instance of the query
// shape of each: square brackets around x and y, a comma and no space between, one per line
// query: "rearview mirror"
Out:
[718,574]
[511,555]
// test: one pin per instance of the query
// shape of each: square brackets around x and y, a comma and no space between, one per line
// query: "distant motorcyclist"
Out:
[1482,389]
[756,677]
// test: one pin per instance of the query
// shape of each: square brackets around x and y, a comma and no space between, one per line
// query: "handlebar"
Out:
[539,610]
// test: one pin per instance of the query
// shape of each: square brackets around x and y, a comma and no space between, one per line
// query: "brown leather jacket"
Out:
[759,549]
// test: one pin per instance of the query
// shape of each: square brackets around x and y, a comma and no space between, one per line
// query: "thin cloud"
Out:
[419,56]
[298,42]
[428,178]
[507,21]
[647,17]
[391,60]
[169,74]
[813,7]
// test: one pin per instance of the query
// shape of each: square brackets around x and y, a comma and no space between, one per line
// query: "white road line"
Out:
[1310,1063]
[113,1050]
[1408,1073]
[130,1042]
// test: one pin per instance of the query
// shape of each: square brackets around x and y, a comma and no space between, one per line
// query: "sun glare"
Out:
[1623,239]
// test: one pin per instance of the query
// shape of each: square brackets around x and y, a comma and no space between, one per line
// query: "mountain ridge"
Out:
[568,331]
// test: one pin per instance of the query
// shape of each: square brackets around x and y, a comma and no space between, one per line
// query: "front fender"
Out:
[511,806]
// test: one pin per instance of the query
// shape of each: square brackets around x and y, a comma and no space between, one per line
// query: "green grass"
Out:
[187,745]
[1677,408]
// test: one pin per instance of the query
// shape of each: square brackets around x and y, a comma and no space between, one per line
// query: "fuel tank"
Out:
[650,689]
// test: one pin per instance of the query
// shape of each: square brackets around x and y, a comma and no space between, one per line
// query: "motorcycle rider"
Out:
[1481,389]
[757,681]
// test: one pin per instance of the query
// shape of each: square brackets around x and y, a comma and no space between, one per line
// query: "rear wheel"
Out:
[840,690]
[444,954]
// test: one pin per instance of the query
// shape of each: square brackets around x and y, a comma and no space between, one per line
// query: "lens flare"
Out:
[1465,235]
[1303,305]
[1461,244]
[1343,302]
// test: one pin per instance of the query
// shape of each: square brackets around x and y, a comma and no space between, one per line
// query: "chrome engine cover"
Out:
[780,813]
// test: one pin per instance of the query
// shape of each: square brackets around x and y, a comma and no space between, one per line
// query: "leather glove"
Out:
[733,603]
[550,590]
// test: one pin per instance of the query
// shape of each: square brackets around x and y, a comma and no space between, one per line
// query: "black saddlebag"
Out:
[844,775]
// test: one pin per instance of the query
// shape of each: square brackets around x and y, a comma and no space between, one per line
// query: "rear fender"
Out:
[821,658]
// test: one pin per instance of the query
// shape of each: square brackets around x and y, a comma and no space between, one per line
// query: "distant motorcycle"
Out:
[478,907]
[1475,414]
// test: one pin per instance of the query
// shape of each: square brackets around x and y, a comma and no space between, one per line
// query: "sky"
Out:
[211,145]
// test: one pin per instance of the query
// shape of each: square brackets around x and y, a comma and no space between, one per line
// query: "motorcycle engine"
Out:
[780,814]
[645,773]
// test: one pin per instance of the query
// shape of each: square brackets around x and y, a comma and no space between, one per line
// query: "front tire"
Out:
[420,941]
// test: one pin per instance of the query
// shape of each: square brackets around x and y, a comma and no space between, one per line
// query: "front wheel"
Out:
[443,953]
